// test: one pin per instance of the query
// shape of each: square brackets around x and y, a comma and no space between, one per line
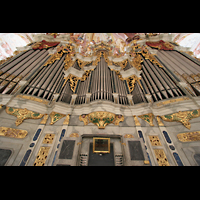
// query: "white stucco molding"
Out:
[74,72]
[25,48]
[181,48]
[49,38]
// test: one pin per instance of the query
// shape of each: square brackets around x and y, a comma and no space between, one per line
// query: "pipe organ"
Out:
[139,91]
[44,81]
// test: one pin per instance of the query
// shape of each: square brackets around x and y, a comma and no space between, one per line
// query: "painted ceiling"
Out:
[9,41]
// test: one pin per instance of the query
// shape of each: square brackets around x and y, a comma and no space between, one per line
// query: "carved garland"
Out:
[101,119]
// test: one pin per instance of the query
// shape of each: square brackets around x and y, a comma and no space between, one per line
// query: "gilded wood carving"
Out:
[23,114]
[44,120]
[48,139]
[66,121]
[73,80]
[131,82]
[128,136]
[148,118]
[137,123]
[182,116]
[42,156]
[161,157]
[11,132]
[74,135]
[55,117]
[160,123]
[155,141]
[189,137]
[101,119]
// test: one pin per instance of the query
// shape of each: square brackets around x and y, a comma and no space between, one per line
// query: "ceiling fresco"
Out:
[86,41]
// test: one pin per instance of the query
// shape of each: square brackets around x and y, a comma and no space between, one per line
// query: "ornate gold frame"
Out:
[94,138]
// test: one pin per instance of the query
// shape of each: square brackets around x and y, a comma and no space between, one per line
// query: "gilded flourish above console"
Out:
[101,119]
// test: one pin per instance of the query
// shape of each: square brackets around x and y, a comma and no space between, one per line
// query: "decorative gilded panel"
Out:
[101,118]
[73,80]
[161,157]
[182,116]
[189,137]
[44,120]
[48,139]
[155,141]
[55,117]
[74,135]
[148,118]
[131,82]
[66,121]
[128,136]
[23,114]
[42,156]
[136,62]
[137,123]
[160,123]
[11,132]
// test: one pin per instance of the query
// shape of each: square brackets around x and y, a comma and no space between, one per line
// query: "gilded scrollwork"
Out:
[189,136]
[14,133]
[66,121]
[74,135]
[85,75]
[53,58]
[84,118]
[148,118]
[182,116]
[160,123]
[128,136]
[137,123]
[101,119]
[73,80]
[55,117]
[83,63]
[44,120]
[131,82]
[68,62]
[136,62]
[23,114]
